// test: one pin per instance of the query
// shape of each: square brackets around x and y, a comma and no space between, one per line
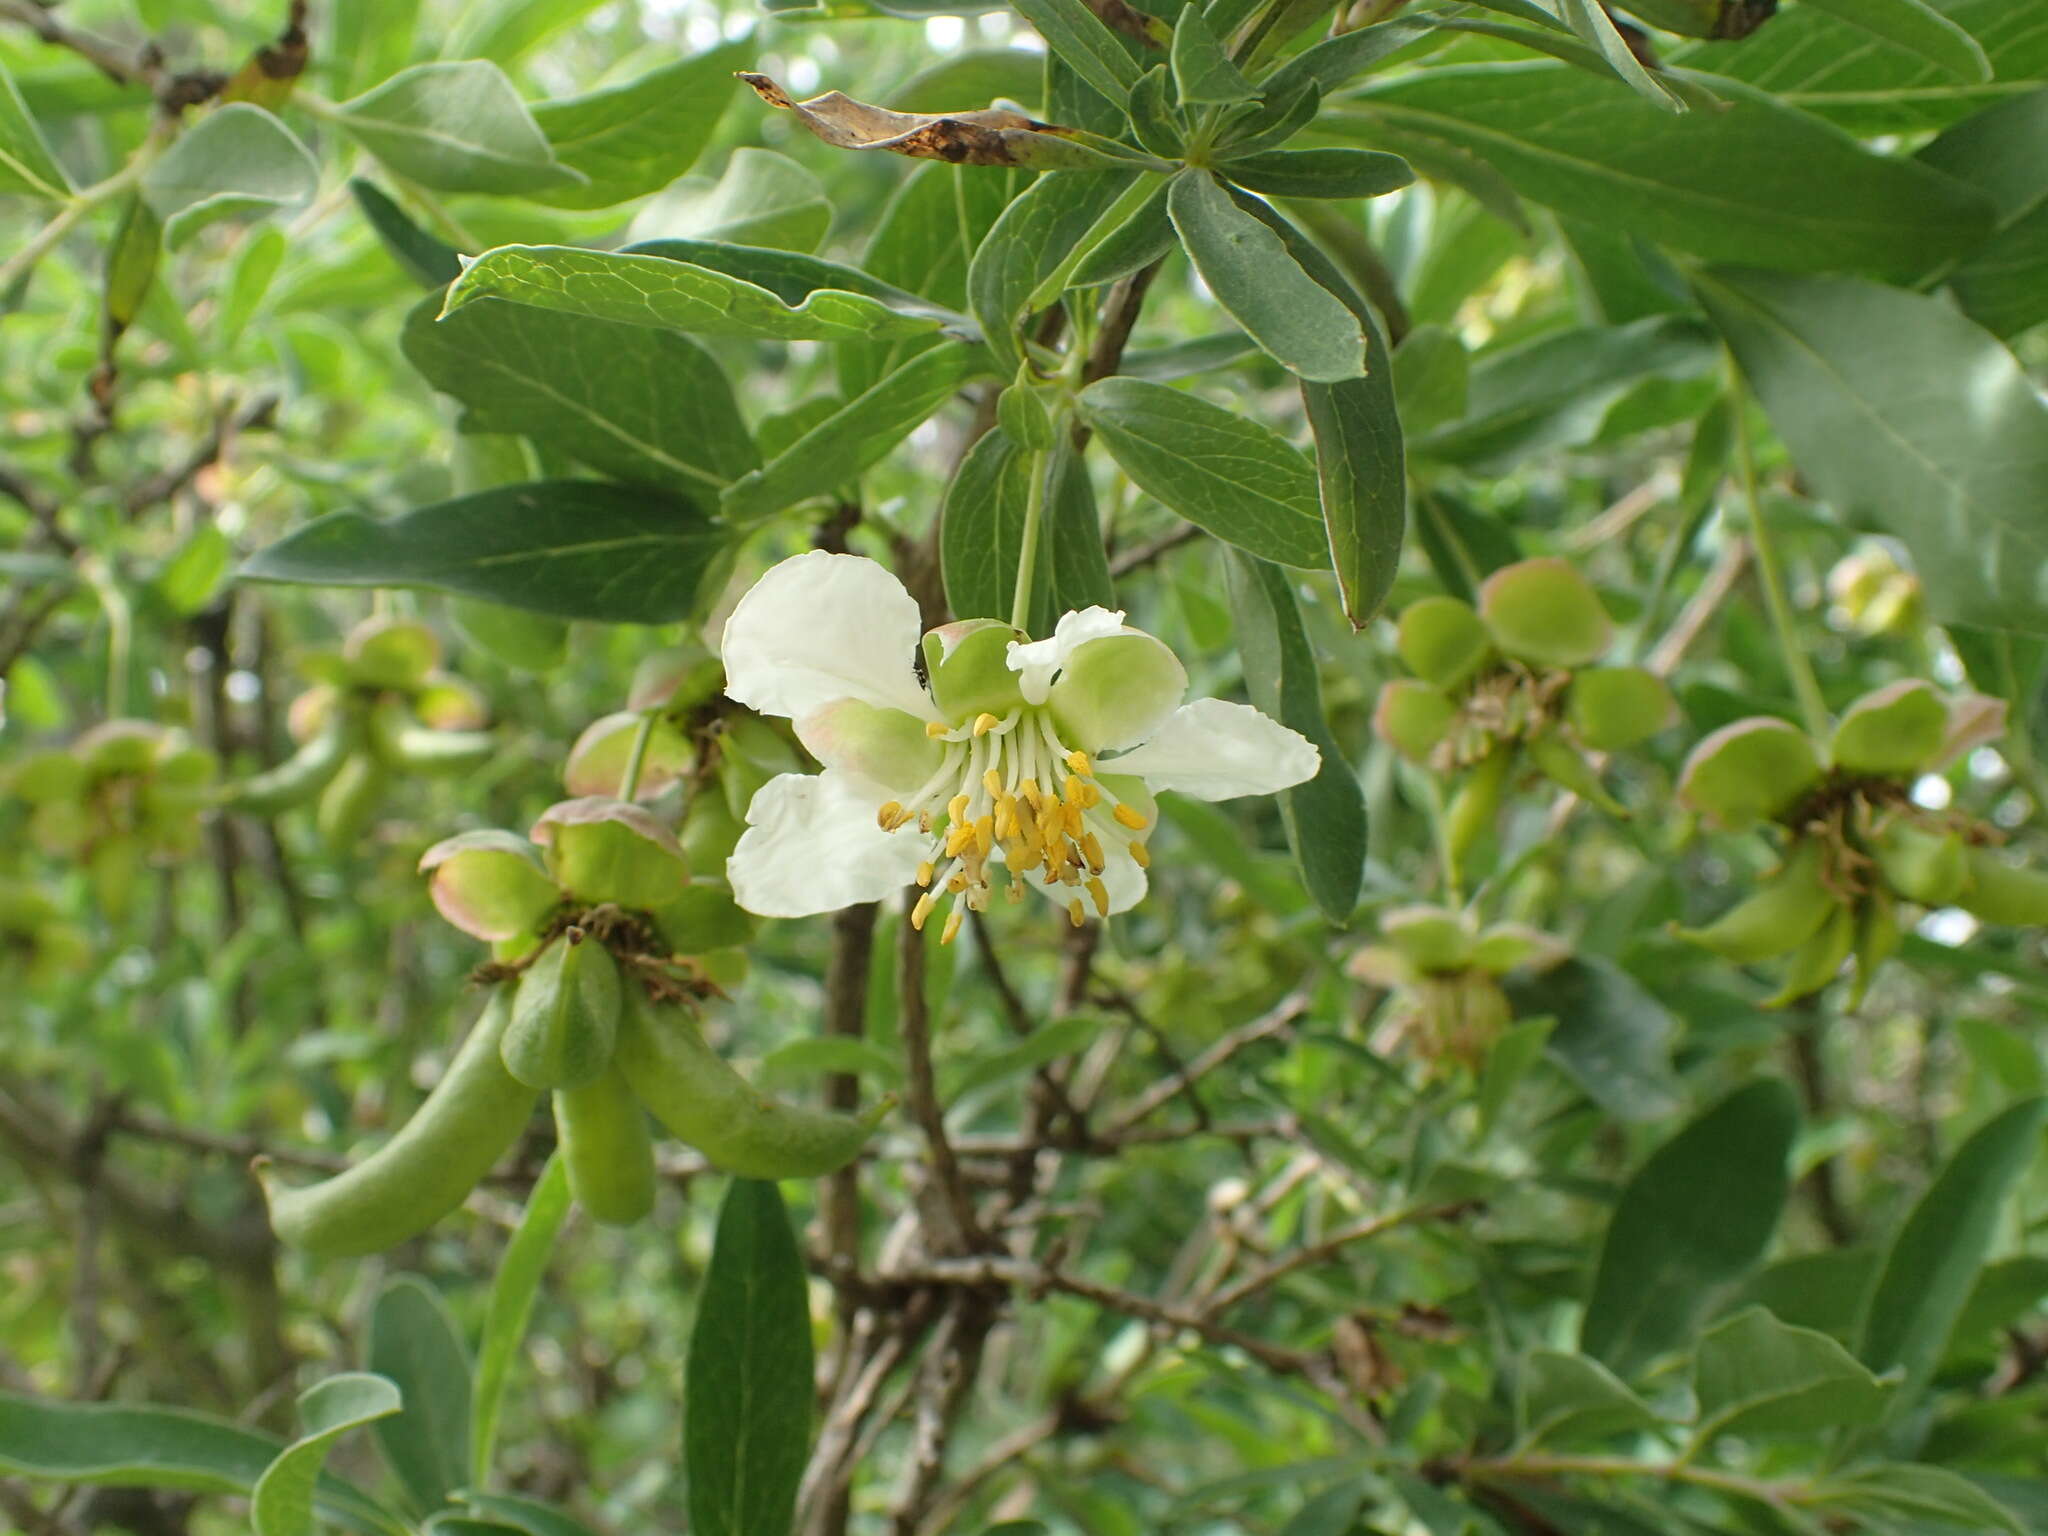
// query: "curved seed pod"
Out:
[1562,765]
[565,1016]
[405,744]
[299,777]
[1878,936]
[704,1102]
[1472,808]
[1999,892]
[349,801]
[1785,911]
[1819,960]
[423,1172]
[607,1149]
[1921,866]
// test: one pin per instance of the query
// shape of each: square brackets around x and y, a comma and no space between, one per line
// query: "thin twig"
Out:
[1275,1021]
[953,1199]
[1140,555]
[1325,1249]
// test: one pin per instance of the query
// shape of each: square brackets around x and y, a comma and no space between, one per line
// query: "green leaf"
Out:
[1339,60]
[1432,378]
[630,401]
[762,199]
[1223,472]
[1590,20]
[1556,390]
[1049,1042]
[1847,371]
[1325,818]
[1089,48]
[1575,1400]
[2003,284]
[1692,1222]
[1918,1493]
[1333,1512]
[1301,324]
[1509,1060]
[1612,1037]
[860,432]
[575,548]
[1933,1262]
[1753,1375]
[426,260]
[524,1514]
[1203,73]
[747,1387]
[981,536]
[647,288]
[636,137]
[118,1446]
[455,126]
[1038,231]
[237,159]
[281,1504]
[513,1289]
[1917,28]
[1318,172]
[1752,181]
[413,1343]
[26,164]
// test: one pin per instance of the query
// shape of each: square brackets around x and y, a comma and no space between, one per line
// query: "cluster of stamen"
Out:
[1015,787]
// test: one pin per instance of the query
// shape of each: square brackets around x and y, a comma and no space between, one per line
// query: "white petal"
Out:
[820,627]
[1214,750]
[812,845]
[1040,660]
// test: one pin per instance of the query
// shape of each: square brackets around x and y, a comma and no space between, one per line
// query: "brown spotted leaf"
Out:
[998,135]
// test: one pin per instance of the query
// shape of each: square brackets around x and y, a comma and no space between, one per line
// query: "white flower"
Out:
[986,763]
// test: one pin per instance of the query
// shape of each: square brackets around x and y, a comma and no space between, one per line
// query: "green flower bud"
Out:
[1412,717]
[390,653]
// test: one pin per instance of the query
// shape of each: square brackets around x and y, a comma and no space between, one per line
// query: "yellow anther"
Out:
[984,723]
[925,873]
[985,834]
[1131,818]
[1140,856]
[890,816]
[958,883]
[1073,790]
[1078,761]
[958,840]
[924,821]
[922,910]
[1029,791]
[1091,850]
[1070,818]
[1074,913]
[1100,893]
[952,921]
[957,809]
[993,780]
[936,729]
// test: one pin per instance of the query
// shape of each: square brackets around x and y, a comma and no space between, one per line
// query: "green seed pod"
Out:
[1921,866]
[349,802]
[391,653]
[299,777]
[1472,809]
[1783,913]
[605,1143]
[422,1173]
[703,1101]
[1999,892]
[565,1018]
[402,743]
[1819,960]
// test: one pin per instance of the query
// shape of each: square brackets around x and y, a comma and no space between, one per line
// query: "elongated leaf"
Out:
[640,288]
[1907,416]
[237,159]
[574,548]
[1918,1493]
[854,436]
[1221,471]
[1917,28]
[981,536]
[1325,818]
[1751,181]
[634,138]
[456,126]
[1692,1222]
[636,403]
[1319,172]
[427,261]
[1754,1375]
[1089,48]
[118,1446]
[26,164]
[1590,20]
[1033,235]
[2003,285]
[513,1289]
[1934,1260]
[1575,1400]
[281,1504]
[1203,74]
[414,1344]
[747,1387]
[524,1514]
[1300,324]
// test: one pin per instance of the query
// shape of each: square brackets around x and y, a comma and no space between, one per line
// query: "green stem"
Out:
[1812,707]
[1040,469]
[637,758]
[1143,185]
[81,203]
